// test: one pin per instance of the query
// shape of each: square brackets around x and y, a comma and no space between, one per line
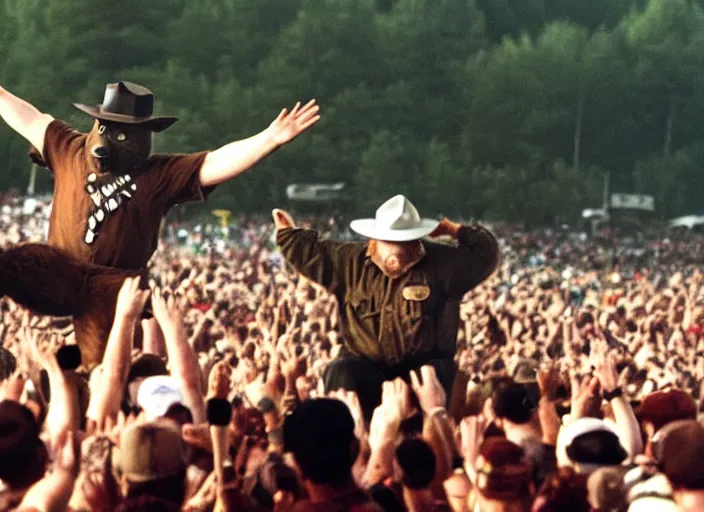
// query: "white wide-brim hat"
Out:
[397,220]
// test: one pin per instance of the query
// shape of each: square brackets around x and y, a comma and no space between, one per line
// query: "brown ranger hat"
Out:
[125,102]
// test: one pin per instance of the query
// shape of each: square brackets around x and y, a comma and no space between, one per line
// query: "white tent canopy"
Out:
[315,191]
[687,221]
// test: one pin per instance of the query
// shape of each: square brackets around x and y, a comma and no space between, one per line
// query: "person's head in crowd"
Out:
[564,490]
[526,372]
[662,408]
[151,460]
[588,444]
[515,406]
[179,413]
[23,455]
[607,490]
[504,481]
[417,462]
[272,476]
[156,394]
[320,436]
[647,489]
[145,366]
[680,454]
[270,412]
[8,363]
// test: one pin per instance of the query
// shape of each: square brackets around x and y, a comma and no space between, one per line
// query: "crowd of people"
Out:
[579,387]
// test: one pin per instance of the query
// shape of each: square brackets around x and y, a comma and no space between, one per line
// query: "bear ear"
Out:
[36,157]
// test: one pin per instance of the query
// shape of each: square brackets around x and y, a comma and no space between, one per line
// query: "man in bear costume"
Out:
[110,195]
[399,295]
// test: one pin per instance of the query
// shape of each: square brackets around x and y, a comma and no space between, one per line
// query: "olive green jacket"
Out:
[386,318]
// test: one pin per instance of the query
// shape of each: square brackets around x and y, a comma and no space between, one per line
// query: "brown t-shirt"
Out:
[128,236]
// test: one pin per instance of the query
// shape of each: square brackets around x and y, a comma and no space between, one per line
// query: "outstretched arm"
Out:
[235,158]
[24,118]
[319,260]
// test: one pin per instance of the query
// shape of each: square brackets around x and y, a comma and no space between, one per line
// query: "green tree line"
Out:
[498,109]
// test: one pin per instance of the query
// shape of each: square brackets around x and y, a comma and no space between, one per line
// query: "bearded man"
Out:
[399,295]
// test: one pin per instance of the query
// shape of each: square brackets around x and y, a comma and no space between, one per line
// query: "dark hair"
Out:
[248,350]
[514,402]
[266,405]
[417,462]
[412,426]
[600,447]
[20,444]
[564,490]
[320,435]
[8,363]
[179,413]
[148,365]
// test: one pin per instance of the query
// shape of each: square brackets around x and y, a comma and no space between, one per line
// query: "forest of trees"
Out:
[498,109]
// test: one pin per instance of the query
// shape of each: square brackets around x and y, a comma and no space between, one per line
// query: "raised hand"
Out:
[219,380]
[604,366]
[12,387]
[288,125]
[282,219]
[431,394]
[294,366]
[548,380]
[446,228]
[131,299]
[198,436]
[384,426]
[165,309]
[397,394]
[585,396]
[42,353]
[351,400]
[471,437]
[99,488]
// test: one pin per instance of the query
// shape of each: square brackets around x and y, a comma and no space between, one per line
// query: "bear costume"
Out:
[110,196]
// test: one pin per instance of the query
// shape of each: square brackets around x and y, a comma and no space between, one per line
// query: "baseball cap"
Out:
[680,454]
[593,442]
[150,451]
[526,371]
[606,489]
[663,407]
[156,394]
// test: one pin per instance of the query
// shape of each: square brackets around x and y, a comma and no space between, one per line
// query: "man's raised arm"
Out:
[235,158]
[321,261]
[24,118]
